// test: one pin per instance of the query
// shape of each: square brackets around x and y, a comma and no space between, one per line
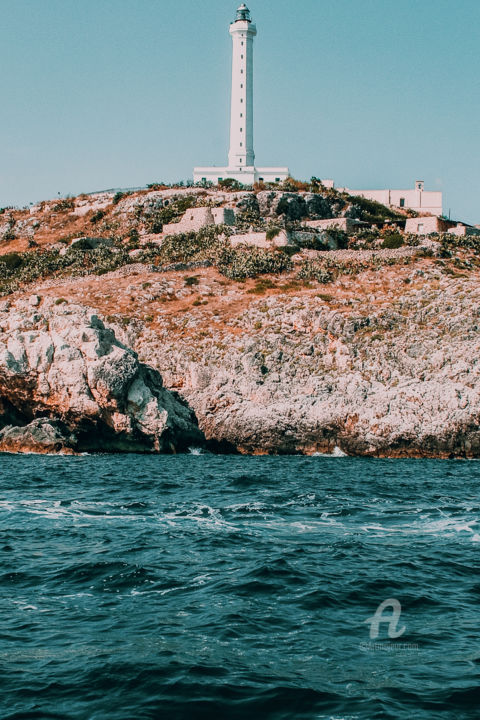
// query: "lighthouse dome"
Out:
[243,13]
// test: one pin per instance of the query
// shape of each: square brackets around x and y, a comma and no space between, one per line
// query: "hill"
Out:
[362,338]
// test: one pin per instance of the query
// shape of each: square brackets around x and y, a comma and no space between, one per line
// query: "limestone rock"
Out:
[78,373]
[39,436]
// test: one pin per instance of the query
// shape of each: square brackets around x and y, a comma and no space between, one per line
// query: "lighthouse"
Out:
[241,156]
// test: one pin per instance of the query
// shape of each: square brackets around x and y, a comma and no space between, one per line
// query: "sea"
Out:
[210,586]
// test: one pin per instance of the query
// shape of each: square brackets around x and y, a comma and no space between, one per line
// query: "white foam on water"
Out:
[54,510]
[337,452]
[445,526]
[203,515]
[195,451]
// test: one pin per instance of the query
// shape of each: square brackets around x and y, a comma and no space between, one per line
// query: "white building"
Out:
[241,157]
[422,201]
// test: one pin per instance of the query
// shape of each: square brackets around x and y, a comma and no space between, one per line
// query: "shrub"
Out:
[393,241]
[245,262]
[412,240]
[186,247]
[292,185]
[119,196]
[249,218]
[340,237]
[11,260]
[158,186]
[262,286]
[310,270]
[192,280]
[273,231]
[97,216]
[67,203]
[230,184]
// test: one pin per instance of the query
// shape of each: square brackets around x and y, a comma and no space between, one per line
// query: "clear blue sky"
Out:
[116,93]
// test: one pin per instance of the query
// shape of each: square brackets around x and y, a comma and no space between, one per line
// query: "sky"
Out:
[374,94]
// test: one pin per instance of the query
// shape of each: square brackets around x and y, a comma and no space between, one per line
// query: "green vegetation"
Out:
[120,195]
[18,268]
[273,231]
[246,262]
[97,216]
[230,184]
[261,286]
[185,247]
[374,212]
[311,270]
[64,205]
[393,241]
[249,219]
[12,261]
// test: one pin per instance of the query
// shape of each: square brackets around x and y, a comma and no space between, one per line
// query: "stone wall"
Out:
[193,220]
[259,239]
[346,224]
[462,230]
[223,216]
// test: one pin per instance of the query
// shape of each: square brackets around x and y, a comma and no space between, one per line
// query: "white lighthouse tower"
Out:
[241,157]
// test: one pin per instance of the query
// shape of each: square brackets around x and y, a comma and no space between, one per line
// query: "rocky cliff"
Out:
[67,384]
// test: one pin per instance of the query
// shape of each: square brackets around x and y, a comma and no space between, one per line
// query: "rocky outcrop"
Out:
[294,206]
[39,436]
[66,383]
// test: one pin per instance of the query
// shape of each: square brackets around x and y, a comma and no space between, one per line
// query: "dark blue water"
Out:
[200,586]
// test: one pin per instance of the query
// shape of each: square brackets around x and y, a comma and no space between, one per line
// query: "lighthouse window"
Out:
[241,114]
[241,71]
[241,85]
[241,99]
[241,144]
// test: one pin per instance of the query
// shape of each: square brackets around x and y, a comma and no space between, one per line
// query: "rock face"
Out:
[382,377]
[67,384]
